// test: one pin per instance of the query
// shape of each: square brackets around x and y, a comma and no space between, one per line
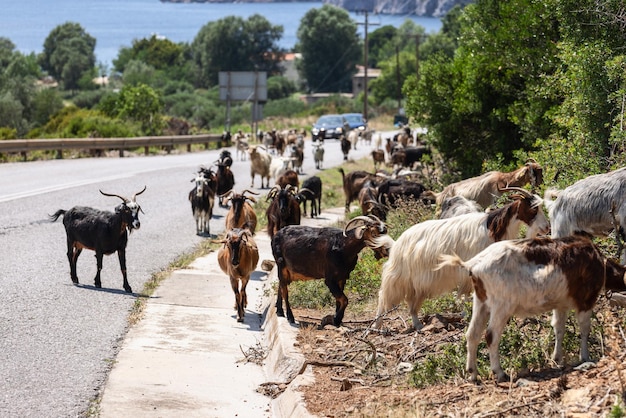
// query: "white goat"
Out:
[586,205]
[458,205]
[529,277]
[279,165]
[318,154]
[409,274]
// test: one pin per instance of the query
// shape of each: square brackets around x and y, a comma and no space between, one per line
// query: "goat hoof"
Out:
[327,320]
[128,289]
[240,319]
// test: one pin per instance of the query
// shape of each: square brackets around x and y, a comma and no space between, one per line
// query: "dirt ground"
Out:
[364,372]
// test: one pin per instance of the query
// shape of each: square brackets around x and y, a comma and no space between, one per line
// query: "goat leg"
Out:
[279,304]
[121,254]
[341,300]
[72,255]
[97,281]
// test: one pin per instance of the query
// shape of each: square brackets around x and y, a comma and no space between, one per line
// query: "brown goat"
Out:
[288,177]
[284,209]
[353,182]
[241,213]
[487,188]
[378,156]
[238,258]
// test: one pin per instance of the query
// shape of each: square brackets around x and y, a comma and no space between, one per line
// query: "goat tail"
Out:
[56,215]
[449,260]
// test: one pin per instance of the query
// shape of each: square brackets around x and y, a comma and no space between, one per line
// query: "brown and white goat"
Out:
[309,253]
[531,276]
[238,258]
[410,275]
[241,213]
[487,188]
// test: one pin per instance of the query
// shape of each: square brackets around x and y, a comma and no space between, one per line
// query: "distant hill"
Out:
[434,8]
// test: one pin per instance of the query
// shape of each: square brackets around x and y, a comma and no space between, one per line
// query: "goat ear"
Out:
[358,233]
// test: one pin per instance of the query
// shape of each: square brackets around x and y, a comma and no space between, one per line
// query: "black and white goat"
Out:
[202,198]
[531,276]
[101,231]
[410,274]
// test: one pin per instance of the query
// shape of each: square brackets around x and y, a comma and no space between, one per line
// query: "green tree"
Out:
[138,72]
[330,47]
[46,103]
[389,83]
[156,51]
[139,103]
[68,52]
[279,87]
[235,44]
[485,101]
[379,43]
[18,74]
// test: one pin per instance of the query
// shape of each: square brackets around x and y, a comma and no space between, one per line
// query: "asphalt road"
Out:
[57,340]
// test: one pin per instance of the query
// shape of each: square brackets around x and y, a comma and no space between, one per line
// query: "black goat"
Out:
[101,231]
[283,209]
[345,147]
[307,253]
[225,181]
[414,155]
[311,190]
[389,191]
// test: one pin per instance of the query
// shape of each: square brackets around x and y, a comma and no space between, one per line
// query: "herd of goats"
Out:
[472,246]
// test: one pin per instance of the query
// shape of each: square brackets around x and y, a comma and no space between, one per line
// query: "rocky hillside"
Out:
[435,8]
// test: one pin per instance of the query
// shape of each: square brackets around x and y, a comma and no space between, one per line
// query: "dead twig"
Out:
[504,411]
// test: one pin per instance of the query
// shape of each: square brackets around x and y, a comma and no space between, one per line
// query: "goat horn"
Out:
[356,220]
[249,191]
[524,192]
[272,192]
[125,200]
[227,194]
[530,160]
[306,189]
[138,193]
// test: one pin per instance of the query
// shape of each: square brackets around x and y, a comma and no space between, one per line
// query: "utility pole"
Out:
[365,65]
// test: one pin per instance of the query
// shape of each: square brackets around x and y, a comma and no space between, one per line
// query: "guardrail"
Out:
[25,145]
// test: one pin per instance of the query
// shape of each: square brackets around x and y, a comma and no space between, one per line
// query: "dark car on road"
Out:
[332,125]
[355,121]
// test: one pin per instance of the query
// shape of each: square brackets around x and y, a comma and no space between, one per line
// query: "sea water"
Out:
[116,23]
